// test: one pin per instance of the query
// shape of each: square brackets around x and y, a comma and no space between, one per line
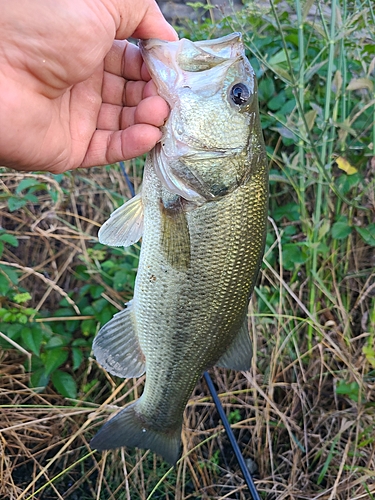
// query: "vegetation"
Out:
[304,415]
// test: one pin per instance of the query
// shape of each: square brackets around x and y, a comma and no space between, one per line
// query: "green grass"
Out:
[305,412]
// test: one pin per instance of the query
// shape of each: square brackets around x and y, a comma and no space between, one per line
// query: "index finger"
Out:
[124,59]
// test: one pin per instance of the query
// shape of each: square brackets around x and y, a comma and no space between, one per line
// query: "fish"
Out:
[202,215]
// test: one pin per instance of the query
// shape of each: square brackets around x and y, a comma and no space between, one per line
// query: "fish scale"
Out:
[202,217]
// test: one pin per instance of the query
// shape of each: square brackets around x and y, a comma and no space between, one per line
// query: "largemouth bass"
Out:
[202,215]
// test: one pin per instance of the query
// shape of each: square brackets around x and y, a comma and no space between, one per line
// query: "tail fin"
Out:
[127,429]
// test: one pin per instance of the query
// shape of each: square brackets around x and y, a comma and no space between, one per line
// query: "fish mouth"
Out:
[193,56]
[187,64]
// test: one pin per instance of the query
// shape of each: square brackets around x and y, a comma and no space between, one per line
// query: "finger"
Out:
[150,89]
[150,24]
[109,147]
[85,103]
[113,88]
[133,93]
[109,117]
[117,90]
[124,59]
[153,110]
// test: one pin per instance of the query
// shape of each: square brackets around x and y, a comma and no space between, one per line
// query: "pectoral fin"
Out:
[239,353]
[175,235]
[116,346]
[125,226]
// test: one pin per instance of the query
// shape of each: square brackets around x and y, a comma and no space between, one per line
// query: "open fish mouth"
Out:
[192,57]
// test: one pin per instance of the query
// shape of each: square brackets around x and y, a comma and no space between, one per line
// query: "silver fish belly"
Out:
[202,217]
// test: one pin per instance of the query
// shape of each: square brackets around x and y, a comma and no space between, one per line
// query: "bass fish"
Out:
[202,214]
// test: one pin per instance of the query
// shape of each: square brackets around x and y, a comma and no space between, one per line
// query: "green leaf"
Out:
[9,238]
[88,327]
[80,343]
[16,203]
[323,229]
[21,318]
[27,183]
[87,387]
[77,357]
[123,278]
[54,194]
[278,58]
[60,177]
[340,230]
[88,311]
[96,291]
[352,390]
[108,265]
[5,286]
[266,89]
[55,358]
[292,256]
[32,339]
[234,416]
[65,311]
[367,233]
[9,317]
[276,102]
[287,108]
[106,314]
[12,331]
[39,378]
[291,211]
[347,182]
[31,197]
[97,254]
[99,305]
[55,341]
[11,273]
[369,352]
[64,384]
[20,298]
[81,272]
[289,231]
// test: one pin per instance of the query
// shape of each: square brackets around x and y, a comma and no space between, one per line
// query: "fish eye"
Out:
[239,93]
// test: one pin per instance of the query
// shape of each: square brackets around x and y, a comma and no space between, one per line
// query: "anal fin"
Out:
[116,346]
[239,353]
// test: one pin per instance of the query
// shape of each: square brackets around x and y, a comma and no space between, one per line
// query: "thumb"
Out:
[144,19]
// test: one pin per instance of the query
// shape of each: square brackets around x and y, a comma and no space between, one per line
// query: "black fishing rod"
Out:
[240,459]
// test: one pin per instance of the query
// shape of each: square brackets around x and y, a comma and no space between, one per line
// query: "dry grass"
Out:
[306,440]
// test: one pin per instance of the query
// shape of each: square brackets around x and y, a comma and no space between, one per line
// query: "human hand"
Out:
[70,94]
